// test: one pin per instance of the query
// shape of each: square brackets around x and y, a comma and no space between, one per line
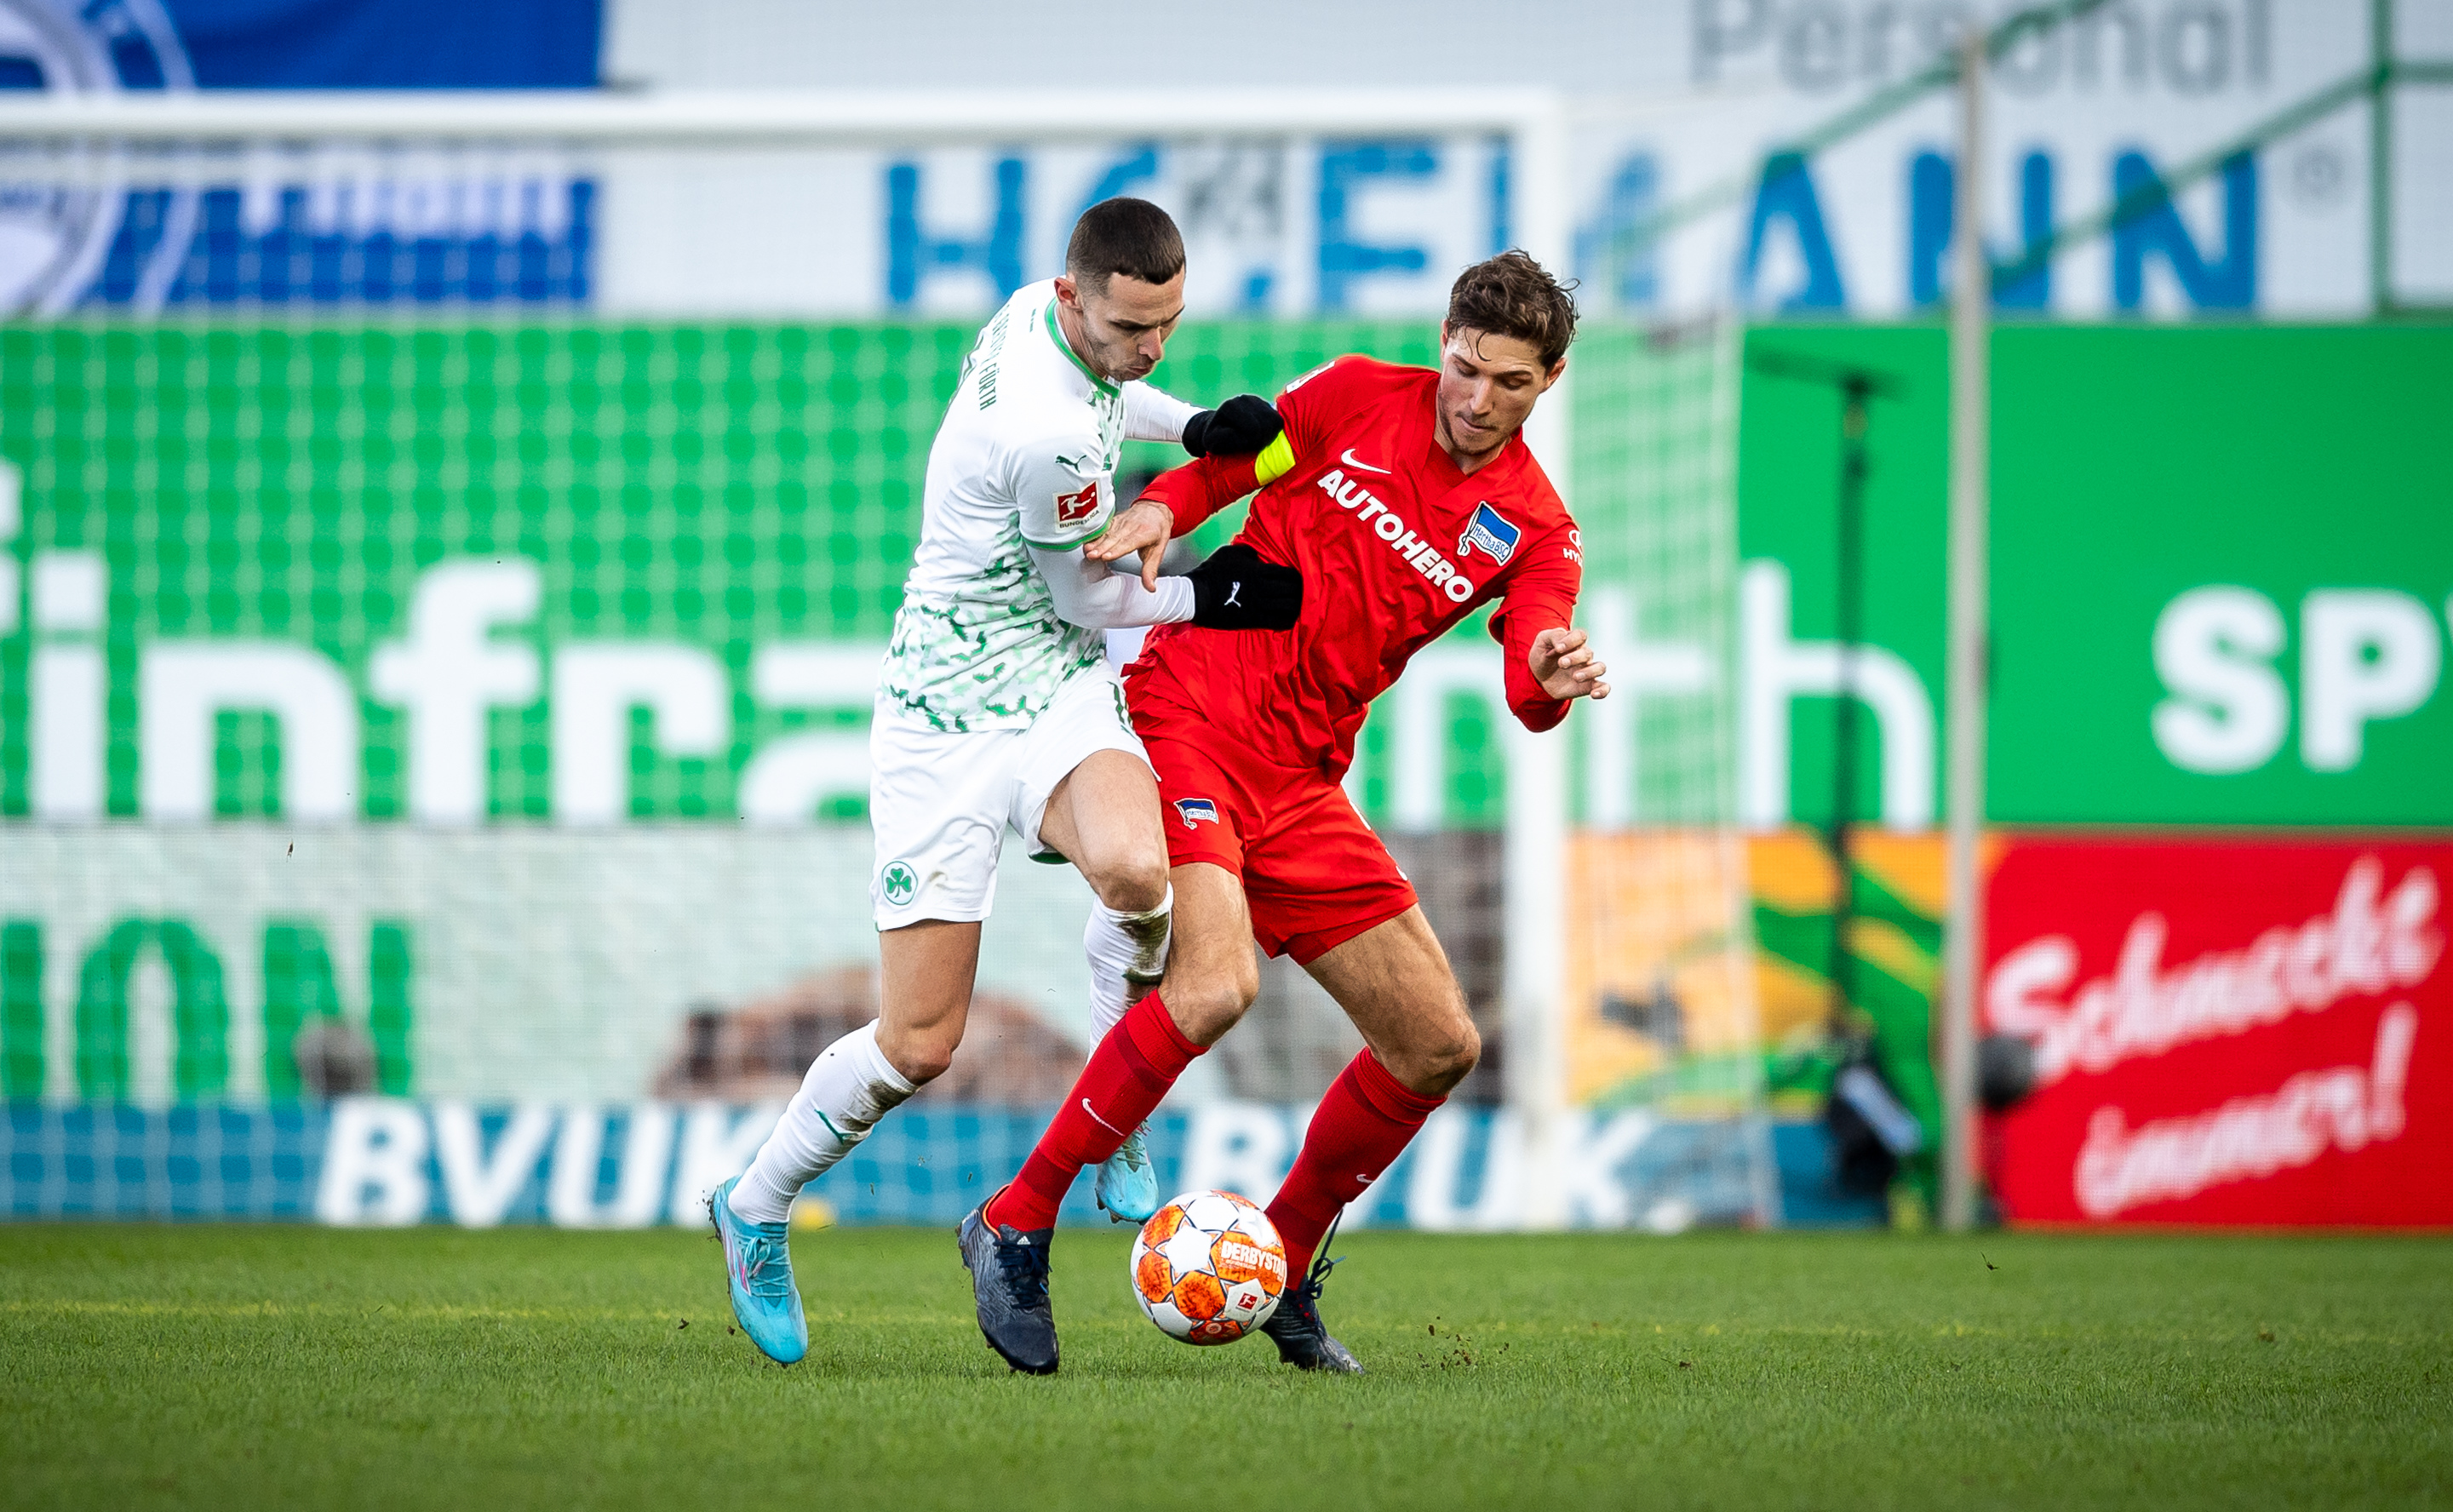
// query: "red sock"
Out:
[1362,1123]
[1129,1072]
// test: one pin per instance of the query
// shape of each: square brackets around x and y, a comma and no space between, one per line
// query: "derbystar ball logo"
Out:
[1079,506]
[1196,811]
[1491,532]
[1243,1255]
[1419,553]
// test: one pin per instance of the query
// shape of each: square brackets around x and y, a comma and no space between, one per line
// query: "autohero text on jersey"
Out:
[1418,552]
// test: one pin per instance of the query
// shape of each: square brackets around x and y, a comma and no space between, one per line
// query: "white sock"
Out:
[1127,955]
[851,1086]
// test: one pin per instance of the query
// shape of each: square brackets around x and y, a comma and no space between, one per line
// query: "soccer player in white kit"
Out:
[997,707]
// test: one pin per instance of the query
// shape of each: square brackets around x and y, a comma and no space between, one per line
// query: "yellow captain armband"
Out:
[1276,460]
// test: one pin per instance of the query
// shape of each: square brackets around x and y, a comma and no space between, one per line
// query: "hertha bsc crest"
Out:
[1195,810]
[1489,531]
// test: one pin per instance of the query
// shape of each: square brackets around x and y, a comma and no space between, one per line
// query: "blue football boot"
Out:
[758,1264]
[1128,1188]
[1009,1286]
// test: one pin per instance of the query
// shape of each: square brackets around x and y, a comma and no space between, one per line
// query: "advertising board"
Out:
[1672,102]
[2222,568]
[2246,1031]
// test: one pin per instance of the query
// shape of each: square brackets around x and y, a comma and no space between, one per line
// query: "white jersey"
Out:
[1027,457]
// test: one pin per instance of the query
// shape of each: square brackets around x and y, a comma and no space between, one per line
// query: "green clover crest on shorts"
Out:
[898,882]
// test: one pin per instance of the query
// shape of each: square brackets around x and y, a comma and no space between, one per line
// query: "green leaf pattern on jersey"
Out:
[995,655]
[993,658]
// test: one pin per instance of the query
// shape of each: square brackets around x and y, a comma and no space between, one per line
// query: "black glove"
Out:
[1239,428]
[1236,590]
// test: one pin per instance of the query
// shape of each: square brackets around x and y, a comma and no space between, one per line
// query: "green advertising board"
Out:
[477,685]
[654,557]
[676,523]
[2222,566]
[599,573]
[439,668]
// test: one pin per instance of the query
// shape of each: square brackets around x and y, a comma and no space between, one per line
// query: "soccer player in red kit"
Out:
[1407,499]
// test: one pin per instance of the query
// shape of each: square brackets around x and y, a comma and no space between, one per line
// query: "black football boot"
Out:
[1302,1339]
[1009,1284]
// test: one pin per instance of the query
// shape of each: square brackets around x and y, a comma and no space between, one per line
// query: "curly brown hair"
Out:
[1514,295]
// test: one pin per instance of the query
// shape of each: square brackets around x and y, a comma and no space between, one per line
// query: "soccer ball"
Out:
[1208,1267]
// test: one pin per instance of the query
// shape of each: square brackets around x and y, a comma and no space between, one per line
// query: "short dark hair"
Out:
[1514,295]
[1120,235]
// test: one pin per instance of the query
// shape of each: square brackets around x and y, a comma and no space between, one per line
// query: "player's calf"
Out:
[1127,954]
[1127,1074]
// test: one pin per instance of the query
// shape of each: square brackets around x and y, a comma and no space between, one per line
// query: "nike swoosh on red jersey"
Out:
[1348,459]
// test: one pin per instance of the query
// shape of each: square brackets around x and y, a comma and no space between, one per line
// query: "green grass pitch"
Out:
[267,1367]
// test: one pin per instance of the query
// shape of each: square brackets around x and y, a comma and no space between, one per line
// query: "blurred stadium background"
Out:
[458,464]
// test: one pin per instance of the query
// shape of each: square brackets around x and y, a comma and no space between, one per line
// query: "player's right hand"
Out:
[1239,428]
[1146,528]
[1236,590]
[1564,662]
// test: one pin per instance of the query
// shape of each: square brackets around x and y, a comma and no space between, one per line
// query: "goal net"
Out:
[448,565]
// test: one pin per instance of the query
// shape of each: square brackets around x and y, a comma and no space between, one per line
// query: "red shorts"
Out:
[1314,874]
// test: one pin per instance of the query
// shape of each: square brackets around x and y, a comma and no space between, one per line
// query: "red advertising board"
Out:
[2226,1031]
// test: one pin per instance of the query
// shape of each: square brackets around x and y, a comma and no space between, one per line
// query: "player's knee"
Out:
[1244,981]
[1134,884]
[1208,1002]
[1460,1053]
[920,1058]
[1443,1058]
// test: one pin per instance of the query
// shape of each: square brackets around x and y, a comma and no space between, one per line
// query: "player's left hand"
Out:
[1239,428]
[1145,527]
[1564,663]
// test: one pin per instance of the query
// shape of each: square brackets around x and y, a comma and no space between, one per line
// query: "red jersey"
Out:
[1395,546]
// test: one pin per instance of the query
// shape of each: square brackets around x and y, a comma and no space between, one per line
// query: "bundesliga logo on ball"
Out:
[1208,1267]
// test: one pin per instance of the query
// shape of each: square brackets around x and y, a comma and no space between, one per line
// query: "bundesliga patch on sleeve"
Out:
[1492,533]
[1080,507]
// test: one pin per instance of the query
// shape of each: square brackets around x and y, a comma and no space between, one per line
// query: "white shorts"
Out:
[941,801]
